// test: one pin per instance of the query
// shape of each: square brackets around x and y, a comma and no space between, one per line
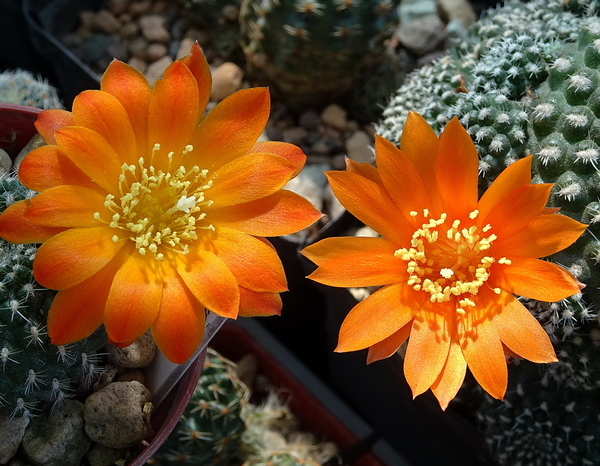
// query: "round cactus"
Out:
[21,87]
[281,459]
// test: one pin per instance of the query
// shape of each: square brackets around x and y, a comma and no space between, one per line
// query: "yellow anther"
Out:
[504,260]
[460,311]
[425,213]
[413,213]
[446,273]
[497,290]
[115,238]
[473,215]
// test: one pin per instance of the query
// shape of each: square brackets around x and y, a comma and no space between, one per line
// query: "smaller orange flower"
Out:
[149,213]
[449,263]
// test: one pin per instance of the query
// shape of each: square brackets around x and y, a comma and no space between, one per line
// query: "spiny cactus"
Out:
[310,50]
[21,87]
[525,82]
[211,427]
[281,459]
[32,369]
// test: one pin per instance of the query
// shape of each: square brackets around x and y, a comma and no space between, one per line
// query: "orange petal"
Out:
[522,333]
[251,177]
[103,113]
[377,317]
[196,62]
[428,346]
[134,299]
[457,171]
[517,174]
[174,110]
[452,376]
[92,155]
[259,304]
[545,235]
[401,179]
[517,209]
[420,144]
[210,281]
[290,152]
[231,128]
[332,248]
[67,206]
[364,269]
[483,352]
[281,213]
[371,204]
[78,311]
[179,326]
[534,279]
[16,229]
[46,167]
[386,348]
[131,88]
[254,264]
[366,170]
[50,121]
[74,255]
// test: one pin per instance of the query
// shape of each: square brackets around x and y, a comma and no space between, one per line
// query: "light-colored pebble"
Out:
[295,135]
[359,147]
[457,10]
[99,455]
[133,375]
[335,116]
[13,429]
[185,47]
[57,440]
[156,51]
[139,354]
[422,35]
[35,142]
[129,29]
[153,29]
[114,416]
[105,21]
[138,64]
[117,7]
[5,162]
[226,79]
[156,70]
[139,7]
[310,183]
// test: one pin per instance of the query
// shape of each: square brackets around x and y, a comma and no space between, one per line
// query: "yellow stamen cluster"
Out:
[449,262]
[159,209]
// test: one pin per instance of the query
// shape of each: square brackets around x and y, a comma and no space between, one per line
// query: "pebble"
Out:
[335,116]
[310,183]
[115,416]
[156,51]
[5,165]
[457,10]
[421,36]
[138,47]
[129,29]
[13,429]
[226,79]
[131,375]
[138,64]
[153,28]
[139,354]
[117,7]
[359,147]
[105,21]
[139,7]
[156,70]
[99,455]
[35,142]
[57,440]
[310,120]
[295,135]
[185,46]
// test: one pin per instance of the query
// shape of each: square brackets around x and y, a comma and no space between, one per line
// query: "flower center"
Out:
[160,209]
[449,262]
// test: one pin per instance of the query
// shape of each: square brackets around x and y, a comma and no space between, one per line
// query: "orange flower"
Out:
[449,262]
[149,214]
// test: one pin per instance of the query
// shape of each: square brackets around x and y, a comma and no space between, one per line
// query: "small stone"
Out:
[231,13]
[99,455]
[310,183]
[116,7]
[118,49]
[86,18]
[153,29]
[105,21]
[107,376]
[57,440]
[13,429]
[296,135]
[156,51]
[125,18]
[138,64]
[137,47]
[421,36]
[5,164]
[226,79]
[185,47]
[35,142]
[114,416]
[359,147]
[139,7]
[139,354]
[131,375]
[129,30]
[335,207]
[310,120]
[335,116]
[457,10]
[157,69]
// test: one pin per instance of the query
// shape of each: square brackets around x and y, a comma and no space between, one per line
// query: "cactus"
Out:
[21,87]
[281,459]
[311,51]
[211,427]
[32,369]
[524,82]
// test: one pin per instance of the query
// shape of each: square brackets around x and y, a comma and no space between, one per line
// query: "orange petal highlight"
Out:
[259,304]
[386,348]
[332,248]
[366,170]
[74,255]
[196,62]
[290,152]
[452,375]
[522,333]
[376,318]
[133,300]
[16,229]
[232,127]
[50,121]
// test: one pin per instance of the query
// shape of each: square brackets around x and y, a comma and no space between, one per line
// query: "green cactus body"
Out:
[32,369]
[211,428]
[311,50]
[526,82]
[281,459]
[21,87]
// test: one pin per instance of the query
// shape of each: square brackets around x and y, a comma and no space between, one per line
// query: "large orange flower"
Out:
[449,263]
[149,214]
